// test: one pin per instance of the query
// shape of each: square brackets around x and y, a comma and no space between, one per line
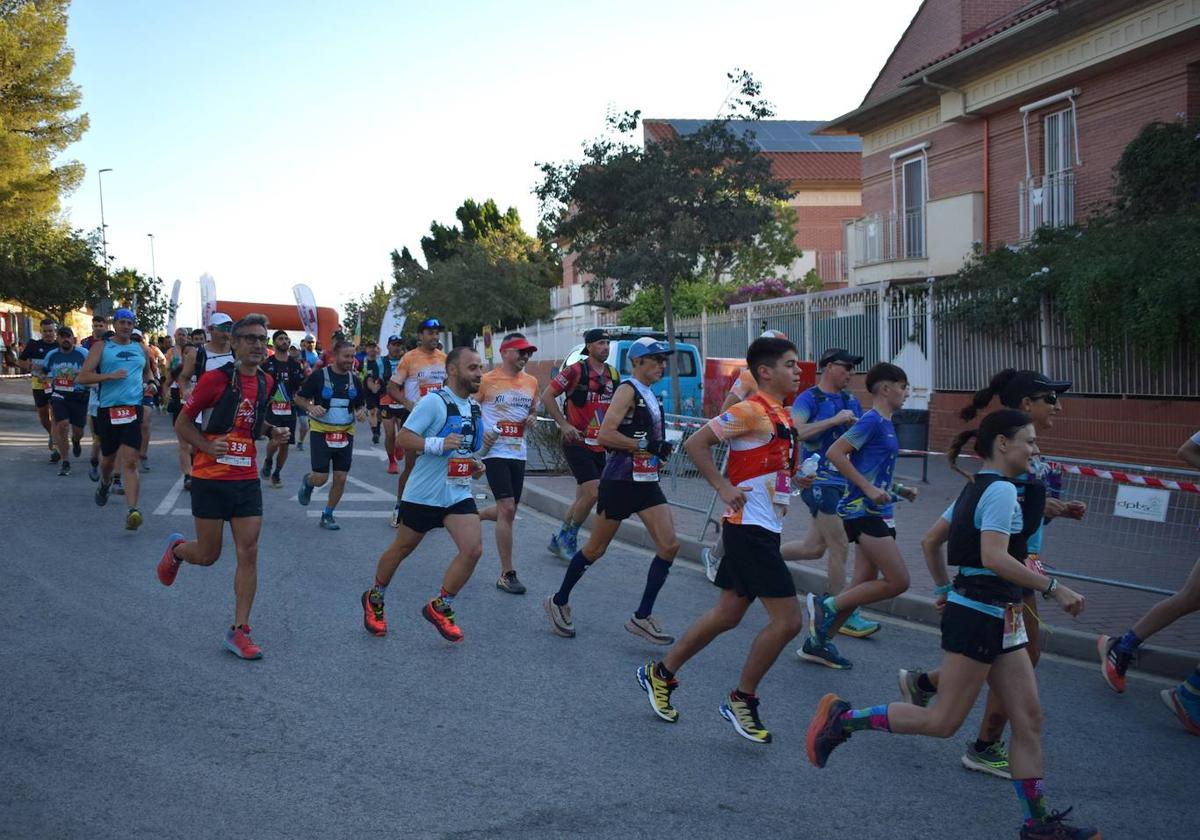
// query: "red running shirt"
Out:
[239,463]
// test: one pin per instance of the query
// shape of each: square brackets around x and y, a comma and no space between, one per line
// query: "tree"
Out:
[47,267]
[479,221]
[143,294]
[371,307]
[37,98]
[666,213]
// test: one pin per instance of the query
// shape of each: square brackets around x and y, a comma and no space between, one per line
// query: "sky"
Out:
[272,143]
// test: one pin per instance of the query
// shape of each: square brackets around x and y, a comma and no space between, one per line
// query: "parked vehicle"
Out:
[686,364]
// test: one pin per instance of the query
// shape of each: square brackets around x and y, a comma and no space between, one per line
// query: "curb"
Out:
[1062,641]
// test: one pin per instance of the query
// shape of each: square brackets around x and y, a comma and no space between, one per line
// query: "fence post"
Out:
[749,319]
[704,332]
[1044,333]
[930,338]
[808,336]
[885,343]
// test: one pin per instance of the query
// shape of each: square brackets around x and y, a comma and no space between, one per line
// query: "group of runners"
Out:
[450,422]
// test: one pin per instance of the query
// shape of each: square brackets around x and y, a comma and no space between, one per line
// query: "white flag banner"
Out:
[306,305]
[174,309]
[393,321]
[208,299]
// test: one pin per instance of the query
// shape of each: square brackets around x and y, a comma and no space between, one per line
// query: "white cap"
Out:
[137,332]
[219,318]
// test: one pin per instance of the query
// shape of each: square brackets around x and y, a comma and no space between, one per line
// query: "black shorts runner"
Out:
[72,409]
[506,477]
[871,526]
[752,566]
[40,398]
[113,437]
[585,464]
[217,499]
[395,411]
[323,456]
[281,422]
[424,518]
[372,400]
[174,405]
[974,634]
[621,499]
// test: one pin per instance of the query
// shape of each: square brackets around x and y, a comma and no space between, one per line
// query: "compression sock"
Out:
[924,683]
[1032,795]
[327,512]
[655,578]
[573,531]
[874,717]
[579,565]
[1128,643]
[446,597]
[564,530]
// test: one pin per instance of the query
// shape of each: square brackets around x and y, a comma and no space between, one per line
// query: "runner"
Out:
[983,633]
[866,456]
[150,398]
[1038,396]
[444,431]
[508,396]
[308,359]
[763,457]
[391,408]
[634,434]
[209,355]
[286,374]
[225,485]
[118,365]
[423,369]
[371,367]
[158,363]
[744,385]
[180,352]
[30,361]
[589,385]
[1116,654]
[69,400]
[334,401]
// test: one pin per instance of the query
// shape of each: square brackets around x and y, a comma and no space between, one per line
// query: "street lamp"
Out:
[153,270]
[106,303]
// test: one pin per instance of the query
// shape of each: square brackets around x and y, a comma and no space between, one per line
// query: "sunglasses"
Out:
[224,328]
[1049,398]
[253,338]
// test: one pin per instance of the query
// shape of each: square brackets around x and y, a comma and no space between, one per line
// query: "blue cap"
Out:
[124,315]
[394,338]
[649,347]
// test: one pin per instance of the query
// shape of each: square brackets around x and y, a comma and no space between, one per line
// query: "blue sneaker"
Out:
[306,491]
[553,547]
[823,654]
[569,546]
[329,523]
[858,627]
[102,494]
[819,618]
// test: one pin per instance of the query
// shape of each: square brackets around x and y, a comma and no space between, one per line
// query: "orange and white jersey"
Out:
[507,402]
[744,386]
[762,459]
[419,372]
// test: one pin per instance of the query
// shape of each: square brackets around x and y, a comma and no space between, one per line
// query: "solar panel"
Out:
[780,135]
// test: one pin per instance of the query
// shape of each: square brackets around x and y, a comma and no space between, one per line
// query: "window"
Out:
[1058,197]
[912,223]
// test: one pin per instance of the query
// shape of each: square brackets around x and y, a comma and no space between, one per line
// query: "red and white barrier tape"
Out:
[15,376]
[1126,478]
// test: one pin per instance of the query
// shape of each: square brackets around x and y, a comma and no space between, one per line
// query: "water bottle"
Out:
[809,467]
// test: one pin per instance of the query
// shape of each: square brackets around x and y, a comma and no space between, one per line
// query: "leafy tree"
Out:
[689,299]
[666,213]
[145,295]
[47,267]
[771,252]
[37,98]
[371,306]
[478,221]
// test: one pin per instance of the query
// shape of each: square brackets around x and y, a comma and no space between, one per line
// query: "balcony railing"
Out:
[886,237]
[1047,200]
[831,267]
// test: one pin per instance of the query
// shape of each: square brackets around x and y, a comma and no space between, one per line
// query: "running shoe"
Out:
[818,616]
[373,617]
[238,642]
[265,472]
[911,691]
[858,627]
[711,563]
[1113,663]
[993,760]
[94,472]
[329,523]
[393,469]
[102,494]
[649,630]
[133,519]
[508,583]
[560,618]
[1185,705]
[118,489]
[1055,828]
[64,468]
[826,654]
[825,732]
[54,456]
[438,613]
[276,481]
[306,491]
[743,714]
[76,449]
[375,437]
[300,446]
[554,548]
[168,566]
[145,464]
[658,690]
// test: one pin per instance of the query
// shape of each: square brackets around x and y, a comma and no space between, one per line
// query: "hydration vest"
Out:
[222,415]
[583,388]
[638,423]
[456,425]
[327,389]
[965,549]
[780,453]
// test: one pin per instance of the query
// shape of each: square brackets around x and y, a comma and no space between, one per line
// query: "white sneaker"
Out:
[649,630]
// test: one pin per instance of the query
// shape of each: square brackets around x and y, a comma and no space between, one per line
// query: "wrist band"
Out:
[944,589]
[433,445]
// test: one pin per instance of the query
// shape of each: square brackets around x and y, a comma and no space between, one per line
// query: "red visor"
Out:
[517,344]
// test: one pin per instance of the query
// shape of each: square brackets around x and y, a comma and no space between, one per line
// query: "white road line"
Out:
[168,502]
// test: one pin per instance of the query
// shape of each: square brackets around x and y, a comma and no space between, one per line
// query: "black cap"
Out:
[64,330]
[837,354]
[1028,383]
[395,339]
[595,334]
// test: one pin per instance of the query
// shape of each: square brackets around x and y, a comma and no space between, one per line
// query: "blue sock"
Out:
[579,565]
[381,588]
[655,578]
[564,530]
[1192,683]
[446,597]
[1128,643]
[1031,793]
[573,530]
[327,512]
[873,717]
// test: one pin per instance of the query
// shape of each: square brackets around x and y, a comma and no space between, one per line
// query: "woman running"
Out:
[983,632]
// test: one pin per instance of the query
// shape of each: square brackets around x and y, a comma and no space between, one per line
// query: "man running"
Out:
[744,386]
[334,400]
[286,374]
[757,489]
[444,432]
[180,351]
[225,485]
[30,361]
[150,398]
[422,370]
[392,411]
[374,385]
[100,329]
[634,434]
[589,385]
[69,400]
[308,359]
[508,396]
[119,366]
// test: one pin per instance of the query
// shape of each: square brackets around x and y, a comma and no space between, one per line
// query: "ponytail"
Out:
[983,397]
[955,450]
[1005,423]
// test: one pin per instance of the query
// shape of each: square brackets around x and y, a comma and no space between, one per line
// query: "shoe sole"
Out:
[172,541]
[728,714]
[510,590]
[1102,649]
[366,612]
[644,681]
[232,648]
[648,636]
[970,764]
[425,614]
[819,718]
[808,657]
[564,632]
[1167,695]
[859,634]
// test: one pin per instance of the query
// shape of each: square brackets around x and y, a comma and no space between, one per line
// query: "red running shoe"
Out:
[439,614]
[237,641]
[373,618]
[168,566]
[1113,663]
[392,468]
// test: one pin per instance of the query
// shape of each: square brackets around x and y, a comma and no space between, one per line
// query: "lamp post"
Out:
[106,303]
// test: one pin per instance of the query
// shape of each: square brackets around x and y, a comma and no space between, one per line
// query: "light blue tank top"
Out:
[127,391]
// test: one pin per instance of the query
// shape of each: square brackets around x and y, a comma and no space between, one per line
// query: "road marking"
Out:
[373,494]
[168,502]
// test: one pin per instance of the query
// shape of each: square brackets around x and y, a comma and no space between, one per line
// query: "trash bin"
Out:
[912,432]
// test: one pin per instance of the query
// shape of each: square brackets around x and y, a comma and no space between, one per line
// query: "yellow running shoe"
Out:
[658,690]
[743,714]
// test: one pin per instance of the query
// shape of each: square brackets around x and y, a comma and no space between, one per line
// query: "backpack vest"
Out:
[639,423]
[608,386]
[965,550]
[780,453]
[456,424]
[222,415]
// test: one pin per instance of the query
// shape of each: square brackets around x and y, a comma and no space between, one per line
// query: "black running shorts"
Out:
[974,634]
[586,465]
[506,477]
[752,566]
[72,409]
[324,457]
[424,518]
[871,526]
[620,499]
[113,437]
[40,398]
[288,422]
[226,500]
[395,411]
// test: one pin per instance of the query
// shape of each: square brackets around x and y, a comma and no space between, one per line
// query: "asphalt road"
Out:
[121,716]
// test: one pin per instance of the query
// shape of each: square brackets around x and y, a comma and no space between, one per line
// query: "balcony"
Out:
[1047,200]
[887,237]
[932,242]
[832,267]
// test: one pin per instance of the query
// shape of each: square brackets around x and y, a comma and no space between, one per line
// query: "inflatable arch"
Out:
[285,317]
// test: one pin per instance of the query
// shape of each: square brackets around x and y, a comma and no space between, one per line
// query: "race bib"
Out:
[645,467]
[1014,626]
[511,430]
[240,453]
[65,382]
[459,470]
[592,436]
[783,488]
[119,415]
[386,400]
[282,408]
[424,388]
[337,440]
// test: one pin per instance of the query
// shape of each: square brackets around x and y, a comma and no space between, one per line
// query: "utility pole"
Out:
[104,306]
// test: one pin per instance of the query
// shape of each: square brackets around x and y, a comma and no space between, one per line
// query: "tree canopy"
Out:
[47,267]
[371,307]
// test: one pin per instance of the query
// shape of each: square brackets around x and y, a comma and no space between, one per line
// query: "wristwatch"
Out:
[1050,589]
